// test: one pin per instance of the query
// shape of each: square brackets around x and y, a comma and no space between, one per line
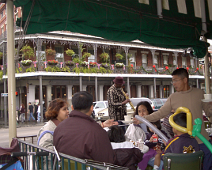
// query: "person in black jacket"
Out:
[35,111]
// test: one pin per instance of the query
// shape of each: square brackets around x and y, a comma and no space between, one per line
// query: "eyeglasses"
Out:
[175,81]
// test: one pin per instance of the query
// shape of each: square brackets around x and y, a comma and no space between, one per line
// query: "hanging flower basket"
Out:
[105,65]
[52,62]
[50,52]
[69,63]
[70,52]
[119,65]
[92,64]
[84,64]
[26,62]
[104,57]
[119,56]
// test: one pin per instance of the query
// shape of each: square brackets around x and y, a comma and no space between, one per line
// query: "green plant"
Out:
[1,74]
[52,69]
[76,70]
[50,52]
[30,69]
[119,56]
[1,55]
[26,62]
[104,57]
[66,69]
[27,52]
[86,55]
[20,69]
[69,52]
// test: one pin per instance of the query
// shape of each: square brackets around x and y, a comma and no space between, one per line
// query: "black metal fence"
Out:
[66,162]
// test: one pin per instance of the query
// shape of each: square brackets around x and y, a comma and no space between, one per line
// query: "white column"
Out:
[49,94]
[138,89]
[11,70]
[84,87]
[151,91]
[171,89]
[101,97]
[161,91]
[31,94]
[69,93]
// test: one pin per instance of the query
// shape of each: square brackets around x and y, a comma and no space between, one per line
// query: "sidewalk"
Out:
[20,124]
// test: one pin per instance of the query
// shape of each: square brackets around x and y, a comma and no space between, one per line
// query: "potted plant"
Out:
[92,64]
[119,65]
[104,56]
[69,52]
[27,52]
[50,52]
[119,56]
[52,62]
[69,63]
[26,62]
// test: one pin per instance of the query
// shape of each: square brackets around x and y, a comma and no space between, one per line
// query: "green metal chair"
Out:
[174,161]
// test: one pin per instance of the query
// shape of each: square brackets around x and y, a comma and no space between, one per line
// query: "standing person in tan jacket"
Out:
[191,98]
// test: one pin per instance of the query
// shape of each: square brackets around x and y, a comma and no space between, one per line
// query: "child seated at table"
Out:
[155,142]
[180,140]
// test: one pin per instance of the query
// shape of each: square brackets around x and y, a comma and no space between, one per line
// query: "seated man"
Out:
[176,144]
[80,136]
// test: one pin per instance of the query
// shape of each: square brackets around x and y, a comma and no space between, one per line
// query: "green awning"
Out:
[121,20]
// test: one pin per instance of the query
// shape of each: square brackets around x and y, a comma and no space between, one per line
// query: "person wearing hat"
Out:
[117,100]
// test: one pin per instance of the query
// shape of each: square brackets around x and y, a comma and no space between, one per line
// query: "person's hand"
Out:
[127,94]
[126,101]
[164,142]
[109,122]
[136,121]
[151,139]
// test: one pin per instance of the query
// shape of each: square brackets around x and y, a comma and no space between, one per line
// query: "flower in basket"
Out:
[70,52]
[119,65]
[105,65]
[84,63]
[52,62]
[50,52]
[92,63]
[26,62]
[69,63]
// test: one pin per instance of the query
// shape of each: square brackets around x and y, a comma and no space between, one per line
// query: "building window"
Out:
[145,91]
[166,91]
[58,92]
[59,53]
[42,53]
[144,60]
[192,62]
[132,59]
[92,57]
[184,63]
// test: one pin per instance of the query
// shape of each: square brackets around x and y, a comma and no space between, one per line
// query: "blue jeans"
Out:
[31,116]
[151,162]
[38,117]
[207,158]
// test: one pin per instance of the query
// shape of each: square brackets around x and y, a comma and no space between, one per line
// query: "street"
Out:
[21,131]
